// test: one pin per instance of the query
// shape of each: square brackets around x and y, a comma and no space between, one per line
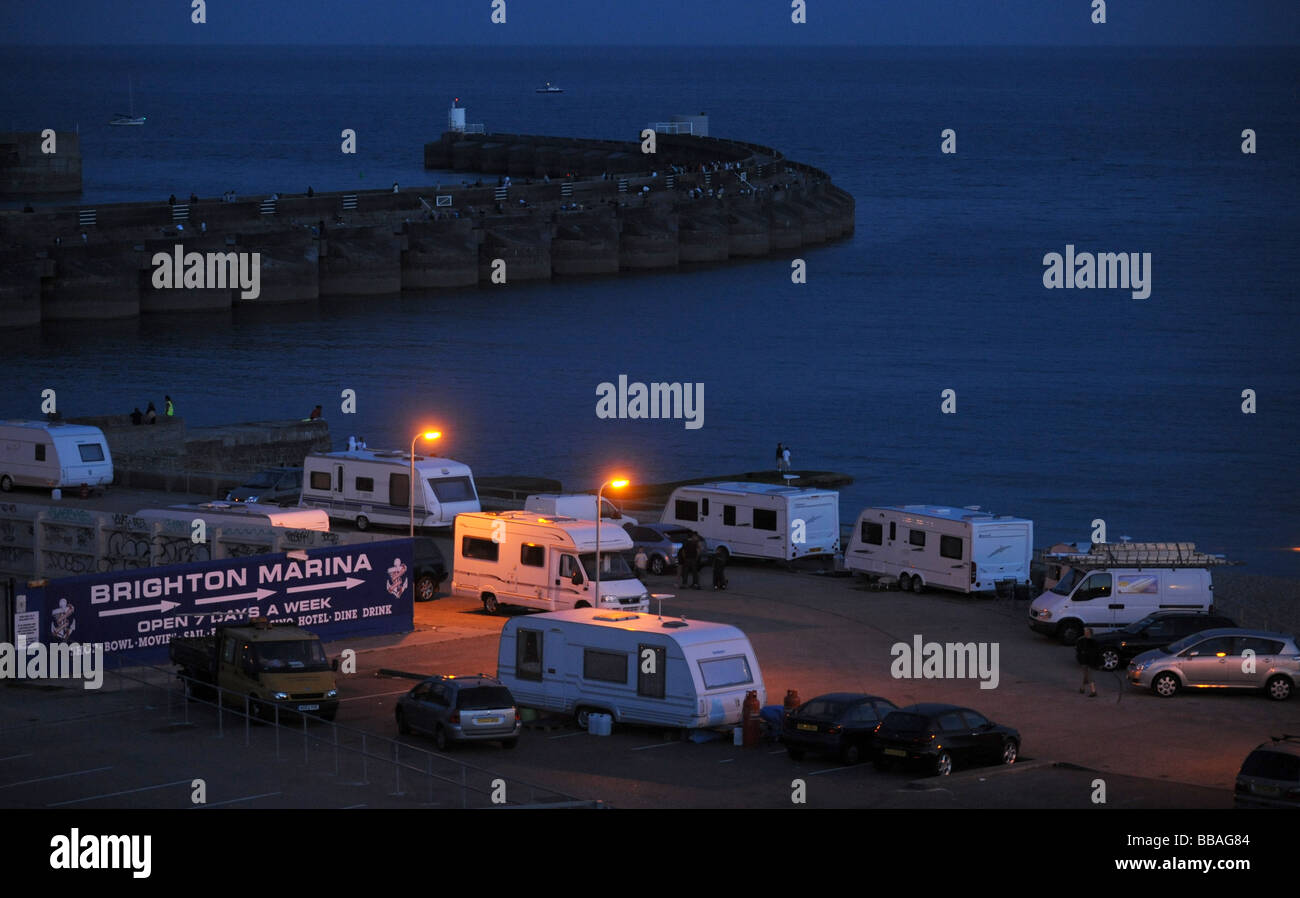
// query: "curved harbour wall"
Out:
[544,206]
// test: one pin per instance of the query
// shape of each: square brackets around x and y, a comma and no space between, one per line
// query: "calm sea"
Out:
[1071,404]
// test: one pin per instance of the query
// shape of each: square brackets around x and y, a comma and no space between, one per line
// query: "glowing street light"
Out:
[410,489]
[618,485]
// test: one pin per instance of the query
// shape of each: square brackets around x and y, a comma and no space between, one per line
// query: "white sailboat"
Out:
[550,88]
[131,118]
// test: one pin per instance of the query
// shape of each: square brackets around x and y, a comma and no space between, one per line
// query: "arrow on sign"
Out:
[345,584]
[257,594]
[164,606]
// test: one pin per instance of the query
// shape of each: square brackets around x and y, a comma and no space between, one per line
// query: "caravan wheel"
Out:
[905,582]
[362,522]
[490,603]
[6,483]
[918,585]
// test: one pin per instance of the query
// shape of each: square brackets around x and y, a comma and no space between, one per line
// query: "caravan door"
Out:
[530,575]
[569,581]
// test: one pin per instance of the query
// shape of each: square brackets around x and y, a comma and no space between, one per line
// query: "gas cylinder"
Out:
[791,700]
[749,718]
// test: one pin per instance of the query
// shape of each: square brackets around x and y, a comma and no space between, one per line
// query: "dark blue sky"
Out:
[651,22]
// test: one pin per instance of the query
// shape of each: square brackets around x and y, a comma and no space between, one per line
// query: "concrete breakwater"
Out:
[571,207]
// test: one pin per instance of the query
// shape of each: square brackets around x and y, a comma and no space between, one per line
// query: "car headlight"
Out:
[279,696]
[333,693]
[1138,666]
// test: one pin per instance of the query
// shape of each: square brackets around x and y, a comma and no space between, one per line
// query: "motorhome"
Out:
[577,505]
[372,486]
[53,454]
[758,520]
[638,668]
[961,549]
[242,514]
[1116,584]
[534,561]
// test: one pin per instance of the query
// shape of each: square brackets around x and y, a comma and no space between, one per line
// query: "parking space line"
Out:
[830,769]
[775,751]
[58,804]
[351,806]
[16,757]
[655,745]
[726,760]
[214,804]
[567,735]
[59,776]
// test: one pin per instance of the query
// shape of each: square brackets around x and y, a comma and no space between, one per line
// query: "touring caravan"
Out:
[577,505]
[52,454]
[1114,585]
[371,486]
[243,514]
[758,520]
[962,549]
[533,561]
[638,668]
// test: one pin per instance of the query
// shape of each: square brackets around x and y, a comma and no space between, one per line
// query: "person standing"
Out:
[315,414]
[137,416]
[151,414]
[169,409]
[719,569]
[780,458]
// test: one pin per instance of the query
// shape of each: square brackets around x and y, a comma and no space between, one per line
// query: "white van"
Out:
[372,486]
[758,520]
[962,549]
[243,514]
[1113,586]
[535,561]
[638,668]
[577,505]
[52,454]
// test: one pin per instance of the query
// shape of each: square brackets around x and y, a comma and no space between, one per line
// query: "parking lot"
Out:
[811,633]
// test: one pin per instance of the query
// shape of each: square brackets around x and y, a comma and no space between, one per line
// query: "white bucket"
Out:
[56,494]
[600,724]
[737,735]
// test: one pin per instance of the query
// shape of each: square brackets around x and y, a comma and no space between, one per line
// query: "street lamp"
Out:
[618,485]
[410,487]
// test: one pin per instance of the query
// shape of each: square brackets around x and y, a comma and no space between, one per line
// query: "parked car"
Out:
[281,486]
[1117,647]
[940,736]
[661,543]
[839,723]
[430,568]
[460,709]
[1216,659]
[1270,775]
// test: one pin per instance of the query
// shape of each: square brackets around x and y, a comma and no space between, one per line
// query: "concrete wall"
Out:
[26,171]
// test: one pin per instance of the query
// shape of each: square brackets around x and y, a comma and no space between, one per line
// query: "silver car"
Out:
[1227,658]
[460,709]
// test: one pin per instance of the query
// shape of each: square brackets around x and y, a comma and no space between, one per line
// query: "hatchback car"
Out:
[661,543]
[940,736]
[280,486]
[1221,659]
[840,723]
[1270,775]
[1111,650]
[460,709]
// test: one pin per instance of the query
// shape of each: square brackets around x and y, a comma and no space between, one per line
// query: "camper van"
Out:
[243,514]
[638,668]
[758,520]
[1112,586]
[962,549]
[51,454]
[577,505]
[371,486]
[533,561]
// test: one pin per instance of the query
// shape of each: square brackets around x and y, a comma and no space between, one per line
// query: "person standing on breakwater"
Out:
[785,459]
[151,414]
[170,407]
[315,414]
[137,416]
[780,457]
[310,194]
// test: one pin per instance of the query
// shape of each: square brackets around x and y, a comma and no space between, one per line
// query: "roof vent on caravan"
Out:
[391,453]
[675,623]
[616,618]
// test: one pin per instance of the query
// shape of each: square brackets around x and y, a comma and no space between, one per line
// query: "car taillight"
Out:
[454,718]
[876,729]
[833,729]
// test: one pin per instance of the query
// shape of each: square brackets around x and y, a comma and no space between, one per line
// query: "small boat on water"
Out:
[123,118]
[550,88]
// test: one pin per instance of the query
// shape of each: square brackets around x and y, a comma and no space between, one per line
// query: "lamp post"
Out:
[616,484]
[410,487]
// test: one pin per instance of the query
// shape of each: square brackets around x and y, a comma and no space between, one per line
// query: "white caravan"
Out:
[243,514]
[1114,585]
[534,561]
[372,486]
[758,520]
[51,454]
[577,505]
[962,549]
[638,668]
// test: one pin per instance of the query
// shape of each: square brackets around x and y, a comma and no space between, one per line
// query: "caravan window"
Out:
[704,507]
[399,490]
[569,567]
[608,667]
[90,451]
[365,484]
[892,531]
[686,510]
[764,519]
[720,673]
[485,549]
[528,654]
[729,515]
[532,555]
[950,547]
[320,480]
[452,489]
[872,534]
[40,452]
[916,538]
